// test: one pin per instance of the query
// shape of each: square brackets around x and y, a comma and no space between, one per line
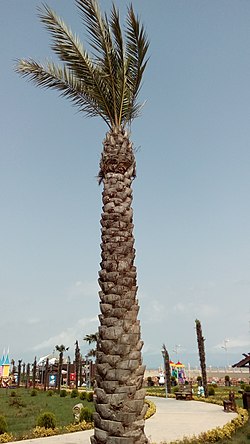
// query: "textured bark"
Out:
[34,373]
[201,348]
[120,409]
[46,382]
[77,360]
[27,376]
[167,368]
[19,369]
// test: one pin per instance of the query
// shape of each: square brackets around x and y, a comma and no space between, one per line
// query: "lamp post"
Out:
[225,348]
[176,350]
[165,369]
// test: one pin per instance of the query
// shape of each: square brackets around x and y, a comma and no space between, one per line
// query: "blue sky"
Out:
[191,194]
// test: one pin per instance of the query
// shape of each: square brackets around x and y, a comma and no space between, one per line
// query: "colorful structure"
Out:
[5,365]
[178,371]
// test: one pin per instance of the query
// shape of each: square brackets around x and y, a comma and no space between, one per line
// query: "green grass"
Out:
[22,410]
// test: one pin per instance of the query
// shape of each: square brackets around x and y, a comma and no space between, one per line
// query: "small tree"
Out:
[61,349]
[201,348]
[77,362]
[45,381]
[34,373]
[167,368]
[19,369]
[27,376]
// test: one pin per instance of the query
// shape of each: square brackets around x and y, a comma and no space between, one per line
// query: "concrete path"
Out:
[173,420]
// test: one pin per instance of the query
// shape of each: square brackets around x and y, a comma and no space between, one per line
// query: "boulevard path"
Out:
[173,420]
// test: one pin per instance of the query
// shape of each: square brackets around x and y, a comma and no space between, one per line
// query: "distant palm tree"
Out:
[167,368]
[92,339]
[13,370]
[34,369]
[106,83]
[27,382]
[61,349]
[77,363]
[201,348]
[46,375]
[19,369]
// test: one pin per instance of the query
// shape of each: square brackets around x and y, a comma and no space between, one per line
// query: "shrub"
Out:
[83,395]
[175,389]
[46,420]
[16,401]
[42,432]
[247,388]
[33,392]
[211,391]
[90,396]
[3,425]
[6,437]
[74,393]
[63,393]
[50,393]
[150,381]
[86,415]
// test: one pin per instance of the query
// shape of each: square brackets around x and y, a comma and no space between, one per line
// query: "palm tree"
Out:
[19,369]
[46,374]
[92,339]
[27,382]
[34,369]
[167,368]
[201,348]
[106,82]
[61,349]
[77,362]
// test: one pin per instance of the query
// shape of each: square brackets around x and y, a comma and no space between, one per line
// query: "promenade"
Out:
[173,420]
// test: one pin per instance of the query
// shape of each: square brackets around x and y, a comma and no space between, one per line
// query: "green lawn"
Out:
[22,410]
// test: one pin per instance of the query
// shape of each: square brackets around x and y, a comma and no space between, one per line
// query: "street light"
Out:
[175,350]
[225,348]
[164,352]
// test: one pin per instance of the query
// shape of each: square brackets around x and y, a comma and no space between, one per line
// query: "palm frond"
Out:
[136,50]
[121,65]
[101,41]
[70,50]
[104,82]
[63,80]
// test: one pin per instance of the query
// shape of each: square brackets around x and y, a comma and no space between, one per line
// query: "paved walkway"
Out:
[173,420]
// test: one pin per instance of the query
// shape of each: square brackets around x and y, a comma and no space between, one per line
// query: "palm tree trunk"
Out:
[167,368]
[45,382]
[59,373]
[27,382]
[120,407]
[77,358]
[34,373]
[19,369]
[201,348]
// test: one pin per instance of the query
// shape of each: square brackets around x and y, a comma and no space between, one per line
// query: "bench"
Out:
[184,392]
[229,404]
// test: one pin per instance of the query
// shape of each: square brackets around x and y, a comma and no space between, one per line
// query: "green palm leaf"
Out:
[104,83]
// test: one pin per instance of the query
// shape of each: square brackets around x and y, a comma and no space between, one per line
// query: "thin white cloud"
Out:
[82,289]
[197,310]
[68,336]
[155,311]
[242,342]
[33,321]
